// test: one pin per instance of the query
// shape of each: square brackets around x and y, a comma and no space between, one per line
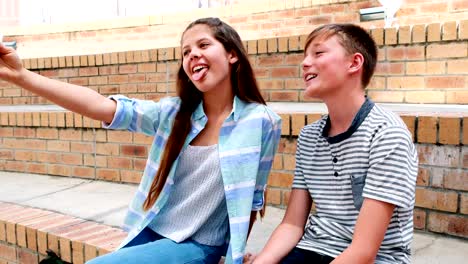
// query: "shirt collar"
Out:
[237,108]
[357,121]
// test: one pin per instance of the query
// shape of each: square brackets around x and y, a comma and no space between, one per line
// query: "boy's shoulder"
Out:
[384,117]
[315,128]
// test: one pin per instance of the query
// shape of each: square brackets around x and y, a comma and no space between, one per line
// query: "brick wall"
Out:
[66,144]
[265,19]
[418,64]
[26,233]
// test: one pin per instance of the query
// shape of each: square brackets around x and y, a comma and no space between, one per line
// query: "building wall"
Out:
[265,19]
[419,64]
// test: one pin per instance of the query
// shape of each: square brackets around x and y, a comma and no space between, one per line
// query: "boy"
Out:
[358,164]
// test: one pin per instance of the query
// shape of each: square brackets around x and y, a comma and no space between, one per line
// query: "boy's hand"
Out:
[10,64]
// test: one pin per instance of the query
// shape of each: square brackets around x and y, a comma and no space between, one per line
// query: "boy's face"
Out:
[325,67]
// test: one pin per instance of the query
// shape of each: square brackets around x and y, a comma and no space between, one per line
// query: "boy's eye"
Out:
[185,53]
[203,45]
[317,53]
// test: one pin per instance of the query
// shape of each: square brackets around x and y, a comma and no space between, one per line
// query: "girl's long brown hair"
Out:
[244,86]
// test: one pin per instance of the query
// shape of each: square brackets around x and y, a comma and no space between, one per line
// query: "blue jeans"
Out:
[150,247]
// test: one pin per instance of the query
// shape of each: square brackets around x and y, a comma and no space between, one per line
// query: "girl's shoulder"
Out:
[262,110]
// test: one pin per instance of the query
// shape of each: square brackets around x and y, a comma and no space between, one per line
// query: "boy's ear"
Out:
[233,57]
[357,61]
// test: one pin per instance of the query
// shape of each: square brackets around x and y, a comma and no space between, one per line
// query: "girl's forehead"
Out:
[196,32]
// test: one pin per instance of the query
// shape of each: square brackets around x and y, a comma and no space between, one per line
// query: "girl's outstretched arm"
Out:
[81,100]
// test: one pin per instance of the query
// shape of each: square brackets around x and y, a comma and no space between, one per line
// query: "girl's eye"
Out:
[203,45]
[317,53]
[185,53]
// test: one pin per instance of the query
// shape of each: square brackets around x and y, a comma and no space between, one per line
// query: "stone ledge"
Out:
[28,232]
[434,124]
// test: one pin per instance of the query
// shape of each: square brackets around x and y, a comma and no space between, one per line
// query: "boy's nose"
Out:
[307,62]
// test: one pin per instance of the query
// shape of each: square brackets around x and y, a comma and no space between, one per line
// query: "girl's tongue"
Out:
[198,75]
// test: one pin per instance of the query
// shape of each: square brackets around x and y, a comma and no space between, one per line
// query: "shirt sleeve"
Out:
[143,116]
[271,133]
[393,167]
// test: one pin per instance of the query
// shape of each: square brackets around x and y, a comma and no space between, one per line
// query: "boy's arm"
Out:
[75,98]
[289,232]
[369,232]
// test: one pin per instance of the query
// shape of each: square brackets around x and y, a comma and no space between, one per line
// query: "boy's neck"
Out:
[342,109]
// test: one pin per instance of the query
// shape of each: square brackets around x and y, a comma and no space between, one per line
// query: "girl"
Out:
[212,151]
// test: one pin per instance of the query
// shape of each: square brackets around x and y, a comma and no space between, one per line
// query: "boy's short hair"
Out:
[354,39]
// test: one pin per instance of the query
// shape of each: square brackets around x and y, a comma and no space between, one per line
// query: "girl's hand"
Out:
[10,64]
[249,258]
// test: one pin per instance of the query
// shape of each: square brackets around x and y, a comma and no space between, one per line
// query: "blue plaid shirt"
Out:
[247,144]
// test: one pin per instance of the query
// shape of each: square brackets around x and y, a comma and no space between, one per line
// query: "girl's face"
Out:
[205,61]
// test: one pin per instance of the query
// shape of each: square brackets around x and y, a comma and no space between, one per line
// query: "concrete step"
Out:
[106,202]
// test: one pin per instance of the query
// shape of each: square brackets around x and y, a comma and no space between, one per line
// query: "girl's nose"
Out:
[194,53]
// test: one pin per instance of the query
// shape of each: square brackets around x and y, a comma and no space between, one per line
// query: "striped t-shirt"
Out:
[376,155]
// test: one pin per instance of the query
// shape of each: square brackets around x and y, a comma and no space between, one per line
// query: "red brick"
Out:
[284,96]
[285,72]
[279,179]
[108,175]
[287,146]
[81,147]
[441,156]
[119,163]
[119,136]
[298,121]
[427,129]
[7,252]
[289,162]
[90,252]
[62,170]
[27,257]
[448,224]
[445,82]
[132,150]
[419,218]
[456,180]
[456,50]
[423,177]
[449,131]
[465,130]
[443,201]
[133,176]
[273,196]
[77,252]
[464,204]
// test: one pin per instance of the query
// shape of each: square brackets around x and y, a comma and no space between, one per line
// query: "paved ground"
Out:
[106,202]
